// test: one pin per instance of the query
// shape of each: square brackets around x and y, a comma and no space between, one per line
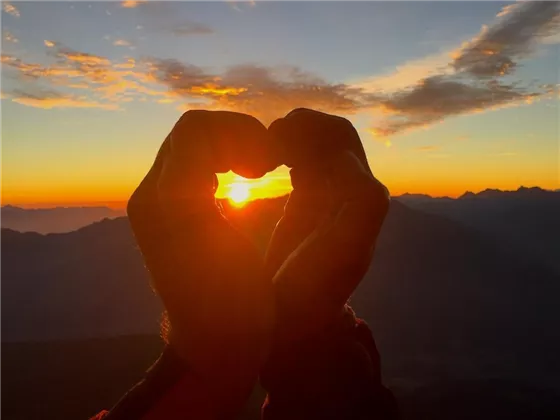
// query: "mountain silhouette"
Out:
[524,221]
[461,325]
[54,220]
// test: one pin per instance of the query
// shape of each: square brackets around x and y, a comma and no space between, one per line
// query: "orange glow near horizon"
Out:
[43,193]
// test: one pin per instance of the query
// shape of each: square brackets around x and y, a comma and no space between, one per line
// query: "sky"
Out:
[447,97]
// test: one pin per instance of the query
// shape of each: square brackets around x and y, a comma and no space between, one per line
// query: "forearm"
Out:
[335,374]
[210,280]
[170,390]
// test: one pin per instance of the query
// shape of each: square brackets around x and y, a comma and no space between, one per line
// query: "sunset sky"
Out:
[447,96]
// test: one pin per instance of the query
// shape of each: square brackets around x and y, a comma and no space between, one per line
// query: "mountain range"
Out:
[54,220]
[524,221]
[467,325]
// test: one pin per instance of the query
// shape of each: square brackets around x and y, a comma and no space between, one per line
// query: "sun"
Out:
[239,193]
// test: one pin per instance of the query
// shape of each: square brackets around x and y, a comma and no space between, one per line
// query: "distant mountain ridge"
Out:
[55,219]
[462,323]
[67,219]
[525,220]
[521,192]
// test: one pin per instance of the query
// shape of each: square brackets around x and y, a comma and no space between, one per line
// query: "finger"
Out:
[316,280]
[203,143]
[144,213]
[236,141]
[306,139]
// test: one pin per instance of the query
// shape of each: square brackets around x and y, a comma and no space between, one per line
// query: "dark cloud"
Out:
[474,84]
[497,50]
[438,97]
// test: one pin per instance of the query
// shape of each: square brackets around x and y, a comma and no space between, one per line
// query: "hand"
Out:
[323,245]
[323,363]
[209,276]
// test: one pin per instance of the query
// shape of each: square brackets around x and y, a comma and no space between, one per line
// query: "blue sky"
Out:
[435,113]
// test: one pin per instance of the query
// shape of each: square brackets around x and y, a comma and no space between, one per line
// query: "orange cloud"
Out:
[10,9]
[266,92]
[51,99]
[130,4]
[236,5]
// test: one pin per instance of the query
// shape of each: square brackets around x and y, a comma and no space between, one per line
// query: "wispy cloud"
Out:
[266,92]
[191,28]
[130,4]
[10,9]
[9,37]
[108,83]
[236,5]
[471,81]
[408,73]
[122,43]
[496,50]
[51,99]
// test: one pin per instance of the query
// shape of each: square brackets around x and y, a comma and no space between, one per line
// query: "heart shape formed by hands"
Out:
[203,143]
[218,291]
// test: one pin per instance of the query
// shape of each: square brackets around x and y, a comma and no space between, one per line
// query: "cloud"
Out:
[121,43]
[48,43]
[438,97]
[9,37]
[235,5]
[496,50]
[471,82]
[10,9]
[266,92]
[131,4]
[419,94]
[191,28]
[108,83]
[408,73]
[51,99]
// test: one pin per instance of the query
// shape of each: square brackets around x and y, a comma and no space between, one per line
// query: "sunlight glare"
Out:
[239,193]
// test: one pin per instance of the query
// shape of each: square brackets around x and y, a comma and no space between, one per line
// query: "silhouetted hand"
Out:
[208,275]
[323,245]
[324,363]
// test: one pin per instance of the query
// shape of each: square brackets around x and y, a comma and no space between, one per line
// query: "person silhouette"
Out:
[233,316]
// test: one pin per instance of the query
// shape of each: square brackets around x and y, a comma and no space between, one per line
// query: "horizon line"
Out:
[121,205]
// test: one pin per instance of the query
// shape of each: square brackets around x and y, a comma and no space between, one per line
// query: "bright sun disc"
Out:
[238,193]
